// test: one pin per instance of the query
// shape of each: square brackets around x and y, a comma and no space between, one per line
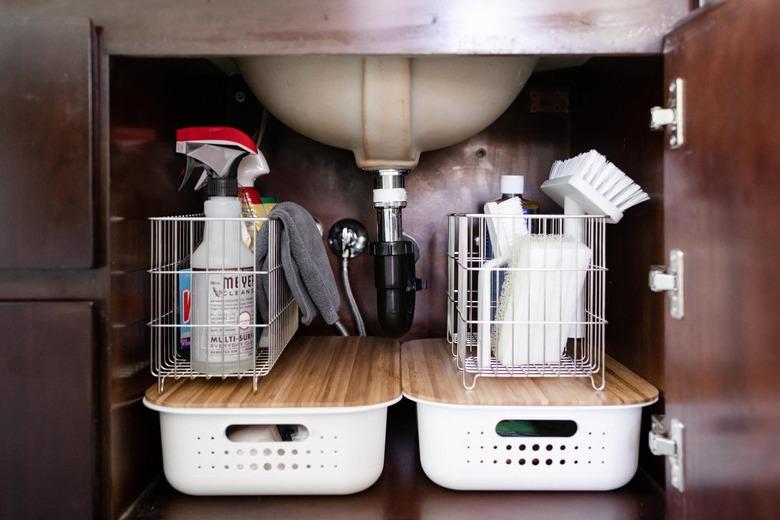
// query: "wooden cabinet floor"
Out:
[404,492]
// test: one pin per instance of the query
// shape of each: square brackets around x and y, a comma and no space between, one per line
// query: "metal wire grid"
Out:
[473,328]
[174,239]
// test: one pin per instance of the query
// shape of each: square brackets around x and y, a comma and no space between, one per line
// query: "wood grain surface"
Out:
[429,373]
[314,371]
[721,195]
[249,27]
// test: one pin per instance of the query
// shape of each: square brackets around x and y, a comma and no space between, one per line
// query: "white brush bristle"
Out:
[603,176]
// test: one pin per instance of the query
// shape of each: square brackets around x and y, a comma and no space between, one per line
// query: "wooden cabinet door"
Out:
[722,209]
[47,404]
[46,148]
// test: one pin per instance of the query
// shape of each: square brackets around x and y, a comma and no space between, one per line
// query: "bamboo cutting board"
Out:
[429,373]
[326,371]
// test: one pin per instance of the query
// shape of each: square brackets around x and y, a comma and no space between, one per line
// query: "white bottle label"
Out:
[226,302]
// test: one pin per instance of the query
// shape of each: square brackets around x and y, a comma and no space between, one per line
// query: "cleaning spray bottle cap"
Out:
[512,184]
[220,152]
[222,187]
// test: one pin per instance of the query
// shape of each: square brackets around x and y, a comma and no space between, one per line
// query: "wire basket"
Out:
[526,296]
[224,318]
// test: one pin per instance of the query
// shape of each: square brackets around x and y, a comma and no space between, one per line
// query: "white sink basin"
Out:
[387,109]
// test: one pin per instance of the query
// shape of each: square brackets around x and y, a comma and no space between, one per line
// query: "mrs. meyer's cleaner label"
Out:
[226,302]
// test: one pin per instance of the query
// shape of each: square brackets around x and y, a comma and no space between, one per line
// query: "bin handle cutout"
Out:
[536,428]
[266,432]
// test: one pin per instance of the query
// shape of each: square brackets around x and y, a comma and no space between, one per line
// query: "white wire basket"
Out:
[526,296]
[207,321]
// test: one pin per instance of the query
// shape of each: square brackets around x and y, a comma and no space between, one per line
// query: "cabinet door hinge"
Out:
[669,443]
[671,117]
[671,281]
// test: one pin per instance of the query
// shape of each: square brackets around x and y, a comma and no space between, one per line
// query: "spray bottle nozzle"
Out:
[221,152]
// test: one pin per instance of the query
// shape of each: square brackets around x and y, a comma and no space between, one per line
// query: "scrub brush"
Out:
[589,184]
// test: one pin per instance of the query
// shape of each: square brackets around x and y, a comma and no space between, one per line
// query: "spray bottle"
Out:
[223,285]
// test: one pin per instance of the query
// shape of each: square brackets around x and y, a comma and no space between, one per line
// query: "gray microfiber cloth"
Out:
[305,264]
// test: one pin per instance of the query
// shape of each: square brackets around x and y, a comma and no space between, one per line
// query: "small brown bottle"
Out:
[513,186]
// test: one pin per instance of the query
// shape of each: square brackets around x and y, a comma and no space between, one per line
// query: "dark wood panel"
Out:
[247,27]
[610,106]
[46,123]
[403,492]
[48,458]
[721,206]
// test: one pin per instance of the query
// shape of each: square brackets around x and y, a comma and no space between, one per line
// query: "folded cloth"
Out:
[305,264]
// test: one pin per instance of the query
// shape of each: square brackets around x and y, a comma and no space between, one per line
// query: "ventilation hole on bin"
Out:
[548,462]
[576,447]
[212,437]
[335,466]
[522,447]
[563,447]
[322,452]
[280,451]
[198,438]
[563,462]
[267,466]
[482,462]
[468,447]
[535,462]
[294,466]
[588,462]
[322,437]
[590,447]
[521,462]
[253,452]
[308,466]
[308,452]
[280,466]
[509,461]
[253,467]
[239,452]
[227,467]
[267,452]
[602,462]
[295,452]
[590,433]
[213,467]
[549,447]
[468,461]
[335,452]
[603,447]
[240,466]
[495,462]
[322,466]
[535,447]
[508,446]
[212,453]
[200,467]
[198,453]
[227,452]
[335,437]
[495,447]
[603,433]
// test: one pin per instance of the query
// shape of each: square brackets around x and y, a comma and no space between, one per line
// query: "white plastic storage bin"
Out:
[329,394]
[460,449]
[343,452]
[523,433]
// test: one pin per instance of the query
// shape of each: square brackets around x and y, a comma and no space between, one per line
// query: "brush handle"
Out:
[575,228]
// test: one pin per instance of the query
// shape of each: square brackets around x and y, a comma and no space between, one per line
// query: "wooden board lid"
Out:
[326,371]
[429,373]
